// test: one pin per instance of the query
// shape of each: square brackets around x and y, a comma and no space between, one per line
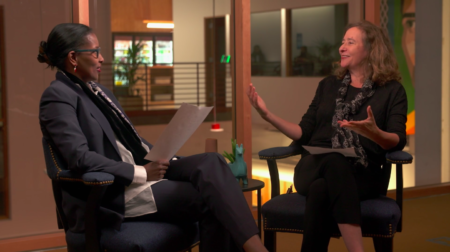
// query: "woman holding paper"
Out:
[363,106]
[91,133]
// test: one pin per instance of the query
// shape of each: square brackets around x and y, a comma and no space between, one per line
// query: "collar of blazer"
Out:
[95,111]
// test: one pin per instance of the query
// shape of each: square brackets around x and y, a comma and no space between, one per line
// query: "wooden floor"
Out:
[426,228]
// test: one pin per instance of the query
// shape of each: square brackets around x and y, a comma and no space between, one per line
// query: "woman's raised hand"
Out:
[367,128]
[156,170]
[256,101]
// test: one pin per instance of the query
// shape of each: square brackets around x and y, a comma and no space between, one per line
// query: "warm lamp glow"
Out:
[159,24]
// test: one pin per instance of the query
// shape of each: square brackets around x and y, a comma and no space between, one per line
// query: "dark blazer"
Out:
[84,139]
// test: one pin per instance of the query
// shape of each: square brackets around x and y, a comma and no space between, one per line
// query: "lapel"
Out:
[94,110]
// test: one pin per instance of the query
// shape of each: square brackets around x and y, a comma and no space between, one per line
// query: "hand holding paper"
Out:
[181,127]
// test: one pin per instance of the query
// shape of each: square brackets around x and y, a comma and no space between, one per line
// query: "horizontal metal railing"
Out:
[167,87]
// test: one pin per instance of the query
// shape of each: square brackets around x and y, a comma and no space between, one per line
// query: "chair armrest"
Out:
[280,152]
[99,182]
[399,157]
[271,155]
[90,178]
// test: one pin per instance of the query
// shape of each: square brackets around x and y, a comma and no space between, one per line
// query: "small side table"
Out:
[254,184]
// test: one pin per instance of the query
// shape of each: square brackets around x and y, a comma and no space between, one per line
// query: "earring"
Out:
[75,69]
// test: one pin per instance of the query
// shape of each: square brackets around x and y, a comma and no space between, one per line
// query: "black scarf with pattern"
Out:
[343,137]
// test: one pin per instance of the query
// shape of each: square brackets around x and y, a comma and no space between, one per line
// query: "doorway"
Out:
[215,62]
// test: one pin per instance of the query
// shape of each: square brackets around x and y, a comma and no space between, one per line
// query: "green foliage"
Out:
[228,156]
[327,54]
[126,70]
[232,157]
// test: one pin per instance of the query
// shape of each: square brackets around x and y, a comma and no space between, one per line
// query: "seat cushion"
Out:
[142,237]
[285,213]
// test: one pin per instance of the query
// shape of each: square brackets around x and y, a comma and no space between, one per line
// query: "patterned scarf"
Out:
[343,137]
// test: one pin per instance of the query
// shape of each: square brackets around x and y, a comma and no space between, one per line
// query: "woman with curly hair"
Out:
[363,106]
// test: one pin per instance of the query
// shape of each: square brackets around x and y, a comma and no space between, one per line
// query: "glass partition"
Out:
[266,43]
[316,36]
[189,63]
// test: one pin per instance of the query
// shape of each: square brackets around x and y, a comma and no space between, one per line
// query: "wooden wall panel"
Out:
[128,16]
[372,11]
[81,11]
[242,110]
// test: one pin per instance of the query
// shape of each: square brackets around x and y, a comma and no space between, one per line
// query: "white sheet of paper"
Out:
[181,127]
[348,152]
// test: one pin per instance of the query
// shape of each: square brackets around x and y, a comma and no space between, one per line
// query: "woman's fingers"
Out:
[249,88]
[251,95]
[255,98]
[369,113]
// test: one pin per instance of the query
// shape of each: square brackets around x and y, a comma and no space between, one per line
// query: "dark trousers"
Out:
[333,188]
[202,188]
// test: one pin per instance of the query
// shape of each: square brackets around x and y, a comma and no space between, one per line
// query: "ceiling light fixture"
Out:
[159,24]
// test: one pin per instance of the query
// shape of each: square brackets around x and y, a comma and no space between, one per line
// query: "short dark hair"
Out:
[62,39]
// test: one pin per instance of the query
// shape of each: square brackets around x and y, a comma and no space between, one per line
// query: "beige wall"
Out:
[27,22]
[128,16]
[189,32]
[296,92]
[445,173]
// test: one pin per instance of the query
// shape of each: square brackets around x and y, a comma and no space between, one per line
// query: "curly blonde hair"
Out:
[380,65]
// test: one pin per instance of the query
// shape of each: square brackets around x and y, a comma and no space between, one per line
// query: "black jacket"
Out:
[389,107]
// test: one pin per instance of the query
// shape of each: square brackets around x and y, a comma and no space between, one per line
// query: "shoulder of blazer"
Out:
[62,89]
[59,92]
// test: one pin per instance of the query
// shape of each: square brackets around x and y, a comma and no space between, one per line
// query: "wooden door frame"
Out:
[372,11]
[241,75]
[212,72]
[4,118]
[80,12]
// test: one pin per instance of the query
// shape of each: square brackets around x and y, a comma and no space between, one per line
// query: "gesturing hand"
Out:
[367,128]
[256,101]
[156,170]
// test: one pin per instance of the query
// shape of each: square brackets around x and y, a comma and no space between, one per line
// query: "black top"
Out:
[389,107]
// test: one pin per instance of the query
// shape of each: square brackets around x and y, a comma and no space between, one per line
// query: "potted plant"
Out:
[237,164]
[326,55]
[126,69]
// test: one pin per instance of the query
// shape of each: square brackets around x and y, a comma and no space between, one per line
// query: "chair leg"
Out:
[270,240]
[383,244]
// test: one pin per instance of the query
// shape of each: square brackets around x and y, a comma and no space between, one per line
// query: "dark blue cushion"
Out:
[142,237]
[98,178]
[399,157]
[285,213]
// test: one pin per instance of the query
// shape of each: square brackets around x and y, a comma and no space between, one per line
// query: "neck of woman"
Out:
[357,76]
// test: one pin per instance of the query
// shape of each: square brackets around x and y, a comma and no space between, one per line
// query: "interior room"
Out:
[159,54]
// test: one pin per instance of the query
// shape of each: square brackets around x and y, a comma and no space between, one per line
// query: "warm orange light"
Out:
[159,24]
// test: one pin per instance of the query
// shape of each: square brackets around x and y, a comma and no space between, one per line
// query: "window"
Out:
[266,43]
[316,35]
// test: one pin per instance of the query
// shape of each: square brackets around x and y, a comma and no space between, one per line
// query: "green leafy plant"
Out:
[126,70]
[232,157]
[327,53]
